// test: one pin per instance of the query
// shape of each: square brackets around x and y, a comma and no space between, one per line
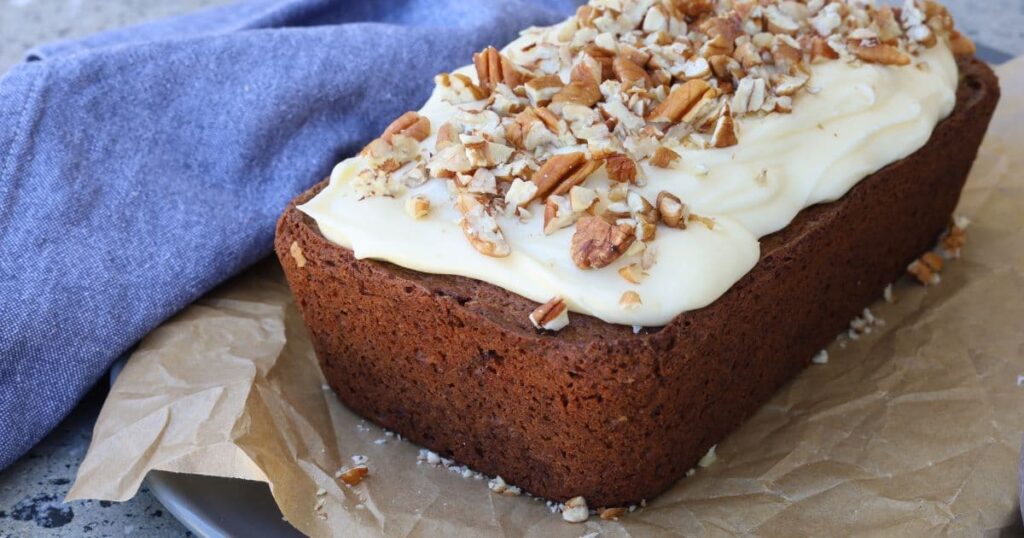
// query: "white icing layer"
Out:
[863,118]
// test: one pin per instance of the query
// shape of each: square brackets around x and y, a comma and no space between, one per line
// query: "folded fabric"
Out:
[140,168]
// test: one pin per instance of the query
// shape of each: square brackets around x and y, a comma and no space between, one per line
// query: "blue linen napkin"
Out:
[140,168]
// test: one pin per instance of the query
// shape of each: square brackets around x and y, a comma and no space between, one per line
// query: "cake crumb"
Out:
[707,460]
[359,459]
[821,357]
[575,510]
[887,294]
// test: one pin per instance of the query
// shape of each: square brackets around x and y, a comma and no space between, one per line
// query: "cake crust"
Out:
[594,410]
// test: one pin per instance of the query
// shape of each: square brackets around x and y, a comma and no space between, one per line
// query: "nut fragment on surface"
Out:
[354,475]
[725,130]
[558,214]
[579,92]
[673,211]
[561,172]
[481,228]
[630,300]
[493,68]
[597,243]
[296,251]
[410,124]
[955,238]
[498,485]
[417,206]
[621,168]
[926,268]
[664,157]
[551,316]
[679,102]
[879,53]
[576,510]
[633,273]
[613,514]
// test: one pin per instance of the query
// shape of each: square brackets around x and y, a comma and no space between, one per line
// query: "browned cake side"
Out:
[594,410]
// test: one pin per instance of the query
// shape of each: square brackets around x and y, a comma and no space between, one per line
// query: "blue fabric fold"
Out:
[140,168]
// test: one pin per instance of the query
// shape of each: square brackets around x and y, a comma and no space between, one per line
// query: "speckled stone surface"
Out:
[32,489]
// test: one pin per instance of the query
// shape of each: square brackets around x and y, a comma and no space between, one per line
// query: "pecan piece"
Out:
[630,300]
[878,53]
[725,130]
[551,316]
[562,172]
[664,157]
[629,72]
[354,475]
[961,45]
[672,210]
[621,168]
[409,124]
[579,92]
[481,228]
[493,68]
[598,243]
[679,102]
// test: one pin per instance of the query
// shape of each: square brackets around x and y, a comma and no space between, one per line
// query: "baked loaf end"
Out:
[595,410]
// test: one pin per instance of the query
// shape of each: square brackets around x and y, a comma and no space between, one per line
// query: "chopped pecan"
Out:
[447,135]
[598,243]
[563,171]
[459,88]
[664,157]
[629,73]
[586,70]
[633,273]
[612,514]
[558,214]
[493,68]
[672,210]
[481,228]
[409,124]
[878,53]
[541,90]
[680,101]
[621,168]
[417,206]
[580,93]
[354,475]
[961,45]
[725,130]
[630,300]
[551,316]
[582,198]
[820,51]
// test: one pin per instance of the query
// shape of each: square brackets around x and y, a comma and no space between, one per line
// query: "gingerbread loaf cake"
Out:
[556,397]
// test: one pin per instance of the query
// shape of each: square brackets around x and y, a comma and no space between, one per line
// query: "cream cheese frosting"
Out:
[855,119]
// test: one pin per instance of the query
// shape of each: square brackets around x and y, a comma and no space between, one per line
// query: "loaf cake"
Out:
[596,252]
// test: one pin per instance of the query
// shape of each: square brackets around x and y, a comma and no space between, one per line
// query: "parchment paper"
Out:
[912,429]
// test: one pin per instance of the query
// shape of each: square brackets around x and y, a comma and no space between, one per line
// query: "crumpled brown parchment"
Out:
[913,429]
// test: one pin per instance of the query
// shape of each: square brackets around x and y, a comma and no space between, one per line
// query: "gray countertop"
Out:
[32,490]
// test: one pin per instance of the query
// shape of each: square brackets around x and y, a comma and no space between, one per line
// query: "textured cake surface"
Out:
[596,410]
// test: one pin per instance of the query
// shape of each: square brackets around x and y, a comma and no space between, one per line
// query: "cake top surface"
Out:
[624,162]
